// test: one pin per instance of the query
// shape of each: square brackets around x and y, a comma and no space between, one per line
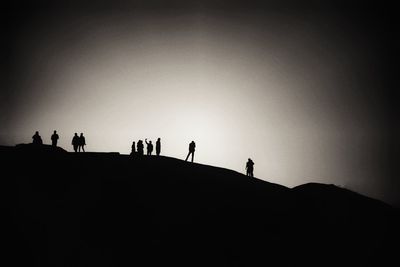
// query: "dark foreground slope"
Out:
[105,209]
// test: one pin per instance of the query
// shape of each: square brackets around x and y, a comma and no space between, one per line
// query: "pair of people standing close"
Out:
[78,142]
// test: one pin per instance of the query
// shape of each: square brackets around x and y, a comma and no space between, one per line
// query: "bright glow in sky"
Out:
[270,91]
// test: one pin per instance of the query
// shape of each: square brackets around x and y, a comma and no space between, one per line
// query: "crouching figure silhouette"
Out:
[37,140]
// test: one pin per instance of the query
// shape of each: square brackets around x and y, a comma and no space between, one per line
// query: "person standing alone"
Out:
[249,168]
[158,147]
[192,148]
[54,138]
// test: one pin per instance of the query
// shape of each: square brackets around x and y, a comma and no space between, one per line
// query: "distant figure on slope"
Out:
[54,138]
[82,143]
[133,148]
[250,168]
[37,140]
[140,148]
[192,148]
[158,147]
[75,142]
[149,147]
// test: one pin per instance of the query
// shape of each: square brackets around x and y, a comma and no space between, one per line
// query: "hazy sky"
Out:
[302,90]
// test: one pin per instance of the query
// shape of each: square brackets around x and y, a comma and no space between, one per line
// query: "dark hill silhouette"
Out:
[106,209]
[28,148]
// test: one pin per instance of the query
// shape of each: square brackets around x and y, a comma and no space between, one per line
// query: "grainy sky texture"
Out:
[302,90]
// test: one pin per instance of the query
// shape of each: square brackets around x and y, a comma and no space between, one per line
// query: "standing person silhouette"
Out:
[158,147]
[37,140]
[192,148]
[82,143]
[133,151]
[75,142]
[249,168]
[140,148]
[54,138]
[149,147]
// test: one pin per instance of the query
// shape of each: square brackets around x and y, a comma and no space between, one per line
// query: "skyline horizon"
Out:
[243,172]
[304,90]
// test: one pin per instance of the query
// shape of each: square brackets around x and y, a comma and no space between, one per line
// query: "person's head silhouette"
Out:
[76,134]
[81,134]
[55,131]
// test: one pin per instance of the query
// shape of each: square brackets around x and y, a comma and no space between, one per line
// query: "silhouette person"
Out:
[158,147]
[37,140]
[140,148]
[75,142]
[54,138]
[149,147]
[249,168]
[133,151]
[82,143]
[192,148]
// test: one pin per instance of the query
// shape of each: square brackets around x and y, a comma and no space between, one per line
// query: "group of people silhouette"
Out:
[79,142]
[139,148]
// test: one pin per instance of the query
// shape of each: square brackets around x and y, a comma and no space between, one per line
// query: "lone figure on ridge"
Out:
[192,148]
[250,168]
[54,138]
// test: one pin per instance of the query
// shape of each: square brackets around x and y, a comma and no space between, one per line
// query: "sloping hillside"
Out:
[106,209]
